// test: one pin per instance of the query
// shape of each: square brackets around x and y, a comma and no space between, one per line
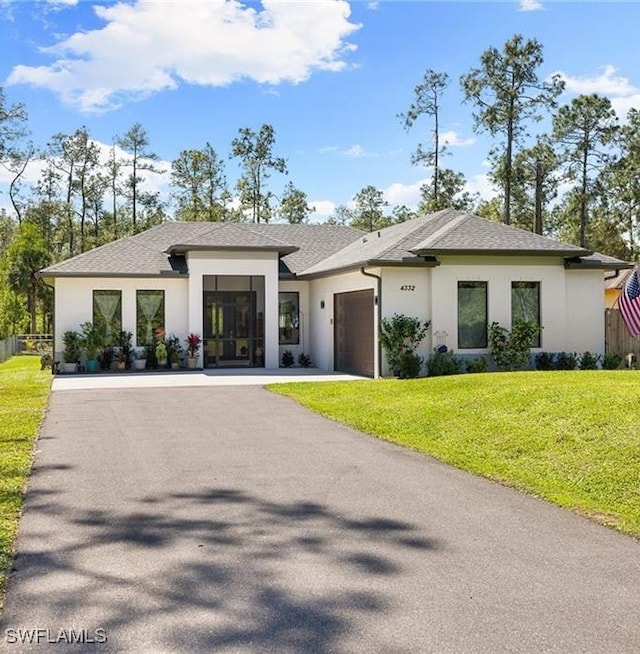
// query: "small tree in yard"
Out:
[512,351]
[400,337]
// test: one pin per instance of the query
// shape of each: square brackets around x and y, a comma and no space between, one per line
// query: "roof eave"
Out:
[53,274]
[185,247]
[405,263]
[572,264]
[503,252]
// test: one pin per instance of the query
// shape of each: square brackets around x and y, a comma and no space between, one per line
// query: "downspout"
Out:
[378,298]
[616,273]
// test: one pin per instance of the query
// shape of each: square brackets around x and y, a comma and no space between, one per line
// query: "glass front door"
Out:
[230,334]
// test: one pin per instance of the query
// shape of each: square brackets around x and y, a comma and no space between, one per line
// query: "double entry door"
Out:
[230,334]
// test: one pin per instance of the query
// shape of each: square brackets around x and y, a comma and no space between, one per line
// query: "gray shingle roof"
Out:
[320,249]
[468,233]
[148,253]
[447,231]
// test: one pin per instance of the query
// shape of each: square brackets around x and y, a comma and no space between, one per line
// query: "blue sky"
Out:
[330,76]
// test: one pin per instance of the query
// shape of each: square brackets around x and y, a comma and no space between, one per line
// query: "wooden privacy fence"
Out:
[616,336]
[8,348]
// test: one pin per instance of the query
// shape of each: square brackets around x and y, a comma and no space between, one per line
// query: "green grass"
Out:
[572,438]
[24,390]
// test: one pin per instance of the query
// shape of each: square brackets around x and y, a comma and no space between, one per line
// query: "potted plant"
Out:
[71,355]
[193,348]
[140,359]
[123,361]
[174,351]
[91,341]
[107,357]
[161,355]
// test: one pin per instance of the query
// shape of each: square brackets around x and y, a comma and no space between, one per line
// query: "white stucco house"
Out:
[253,291]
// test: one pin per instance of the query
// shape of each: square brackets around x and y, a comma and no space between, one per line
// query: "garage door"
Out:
[353,315]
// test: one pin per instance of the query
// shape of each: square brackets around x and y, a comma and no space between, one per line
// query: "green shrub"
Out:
[612,361]
[400,336]
[545,361]
[476,365]
[106,358]
[304,360]
[512,351]
[409,365]
[566,361]
[72,345]
[443,363]
[589,361]
[287,359]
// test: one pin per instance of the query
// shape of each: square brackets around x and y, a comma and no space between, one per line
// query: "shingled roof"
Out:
[158,250]
[311,250]
[420,241]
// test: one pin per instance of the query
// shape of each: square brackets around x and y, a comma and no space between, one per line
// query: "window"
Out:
[472,315]
[288,318]
[149,315]
[525,304]
[107,314]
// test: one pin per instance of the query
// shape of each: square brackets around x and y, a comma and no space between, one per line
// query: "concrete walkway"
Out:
[229,519]
[209,377]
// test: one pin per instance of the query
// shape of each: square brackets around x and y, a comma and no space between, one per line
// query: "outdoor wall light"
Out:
[322,304]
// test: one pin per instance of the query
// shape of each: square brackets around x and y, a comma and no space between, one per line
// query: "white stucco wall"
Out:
[571,302]
[74,303]
[323,290]
[585,304]
[220,262]
[407,291]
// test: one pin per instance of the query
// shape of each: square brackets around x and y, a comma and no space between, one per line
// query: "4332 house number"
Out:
[408,287]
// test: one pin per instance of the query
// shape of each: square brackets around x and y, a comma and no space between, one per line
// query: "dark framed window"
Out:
[525,304]
[107,314]
[149,315]
[472,315]
[289,318]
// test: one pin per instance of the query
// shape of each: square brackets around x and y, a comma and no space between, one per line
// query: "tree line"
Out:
[577,180]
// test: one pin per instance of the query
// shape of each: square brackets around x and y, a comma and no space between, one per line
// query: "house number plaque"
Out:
[408,287]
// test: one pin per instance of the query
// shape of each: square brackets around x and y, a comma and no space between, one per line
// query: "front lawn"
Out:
[24,390]
[570,437]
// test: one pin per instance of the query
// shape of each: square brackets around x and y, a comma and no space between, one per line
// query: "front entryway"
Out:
[233,335]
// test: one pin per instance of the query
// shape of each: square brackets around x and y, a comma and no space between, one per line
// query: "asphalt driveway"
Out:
[229,519]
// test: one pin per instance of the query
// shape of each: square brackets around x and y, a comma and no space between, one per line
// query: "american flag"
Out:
[629,303]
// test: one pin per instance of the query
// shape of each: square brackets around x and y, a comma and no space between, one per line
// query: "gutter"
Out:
[378,298]
[616,273]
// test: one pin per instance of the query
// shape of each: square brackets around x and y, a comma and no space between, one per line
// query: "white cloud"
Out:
[622,93]
[152,182]
[408,194]
[373,5]
[482,185]
[623,104]
[607,83]
[30,176]
[530,5]
[147,47]
[356,151]
[323,209]
[453,140]
[329,148]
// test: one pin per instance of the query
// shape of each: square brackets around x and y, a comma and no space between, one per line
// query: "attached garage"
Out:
[353,332]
